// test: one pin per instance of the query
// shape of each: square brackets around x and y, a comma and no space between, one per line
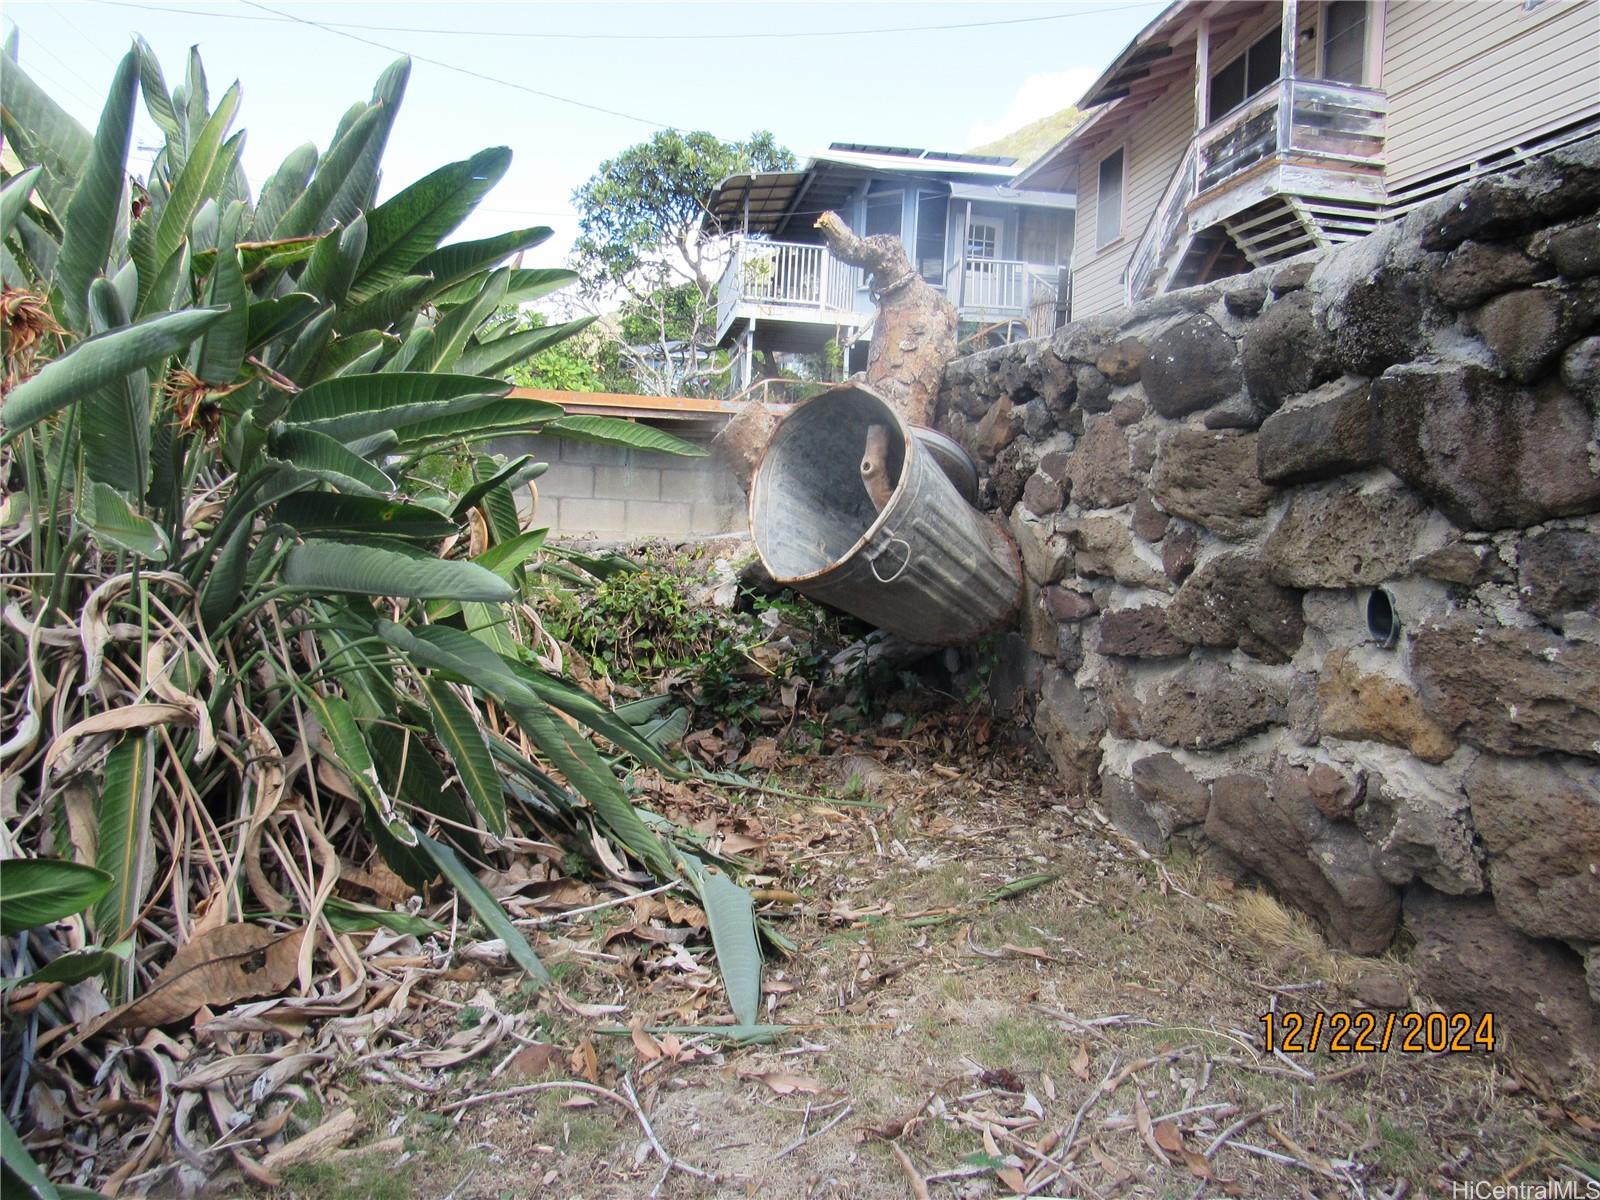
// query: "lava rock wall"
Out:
[1313,577]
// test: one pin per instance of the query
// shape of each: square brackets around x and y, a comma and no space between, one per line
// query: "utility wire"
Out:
[448,66]
[651,37]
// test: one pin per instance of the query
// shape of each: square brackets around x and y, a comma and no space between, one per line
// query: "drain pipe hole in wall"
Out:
[1383,623]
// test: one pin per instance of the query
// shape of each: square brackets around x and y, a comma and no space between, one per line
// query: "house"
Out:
[998,252]
[1234,133]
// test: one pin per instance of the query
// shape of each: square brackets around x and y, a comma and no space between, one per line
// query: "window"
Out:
[883,213]
[1344,41]
[933,214]
[1249,73]
[983,240]
[1108,215]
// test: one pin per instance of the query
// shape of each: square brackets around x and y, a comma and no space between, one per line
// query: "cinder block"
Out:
[659,518]
[724,488]
[593,454]
[627,483]
[561,480]
[544,449]
[709,517]
[687,485]
[591,516]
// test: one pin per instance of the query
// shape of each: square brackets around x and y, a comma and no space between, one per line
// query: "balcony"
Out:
[998,289]
[1300,164]
[794,282]
[1332,126]
[786,281]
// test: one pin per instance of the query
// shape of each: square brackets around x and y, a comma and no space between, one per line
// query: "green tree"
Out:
[645,237]
[574,365]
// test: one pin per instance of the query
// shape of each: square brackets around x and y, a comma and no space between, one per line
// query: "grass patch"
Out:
[362,1177]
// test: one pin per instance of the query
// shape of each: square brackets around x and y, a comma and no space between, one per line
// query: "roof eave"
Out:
[1102,95]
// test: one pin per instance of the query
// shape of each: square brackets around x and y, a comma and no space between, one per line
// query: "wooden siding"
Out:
[1467,80]
[1155,146]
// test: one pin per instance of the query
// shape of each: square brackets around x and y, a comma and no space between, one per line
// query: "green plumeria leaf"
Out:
[456,725]
[123,850]
[14,196]
[78,965]
[410,225]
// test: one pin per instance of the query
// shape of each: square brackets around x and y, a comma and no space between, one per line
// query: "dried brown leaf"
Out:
[129,716]
[762,755]
[1080,1062]
[1168,1137]
[533,1061]
[784,1083]
[585,1061]
[649,1049]
[231,962]
[1141,1118]
[1199,1166]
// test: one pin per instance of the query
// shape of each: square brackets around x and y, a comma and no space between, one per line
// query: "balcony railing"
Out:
[1307,118]
[1333,124]
[786,275]
[1163,225]
[806,283]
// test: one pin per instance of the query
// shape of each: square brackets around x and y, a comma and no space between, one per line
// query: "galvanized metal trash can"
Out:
[929,567]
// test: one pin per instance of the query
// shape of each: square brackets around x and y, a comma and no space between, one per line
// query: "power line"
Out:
[61,11]
[60,85]
[332,26]
[448,66]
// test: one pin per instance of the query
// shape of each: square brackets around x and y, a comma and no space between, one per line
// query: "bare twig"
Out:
[919,1186]
[628,1102]
[1077,1121]
[1238,1127]
[661,1152]
[613,903]
[801,1141]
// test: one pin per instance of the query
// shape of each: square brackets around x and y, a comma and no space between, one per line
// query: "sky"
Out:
[567,85]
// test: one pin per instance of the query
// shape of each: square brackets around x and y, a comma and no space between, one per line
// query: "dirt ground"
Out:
[1098,1034]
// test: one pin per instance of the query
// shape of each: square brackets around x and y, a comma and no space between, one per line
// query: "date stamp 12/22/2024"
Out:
[1364,1032]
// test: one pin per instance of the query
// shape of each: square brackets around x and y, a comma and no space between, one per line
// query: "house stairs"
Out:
[1266,232]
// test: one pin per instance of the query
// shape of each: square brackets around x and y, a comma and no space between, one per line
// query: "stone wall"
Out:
[1313,574]
[591,490]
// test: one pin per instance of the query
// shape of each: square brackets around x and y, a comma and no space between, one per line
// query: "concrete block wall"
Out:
[591,490]
[1313,577]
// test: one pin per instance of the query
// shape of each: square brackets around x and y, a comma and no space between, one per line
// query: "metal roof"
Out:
[941,156]
[776,197]
[1009,195]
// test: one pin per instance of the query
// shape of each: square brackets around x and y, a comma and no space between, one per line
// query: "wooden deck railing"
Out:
[1312,120]
[1308,118]
[785,274]
[1163,225]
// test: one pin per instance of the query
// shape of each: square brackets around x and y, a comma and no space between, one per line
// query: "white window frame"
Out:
[1122,197]
[1369,67]
[993,241]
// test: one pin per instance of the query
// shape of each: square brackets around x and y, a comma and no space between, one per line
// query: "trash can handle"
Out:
[872,559]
